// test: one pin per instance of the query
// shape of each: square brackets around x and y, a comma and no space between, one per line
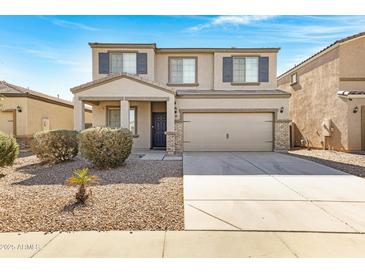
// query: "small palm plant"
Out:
[82,179]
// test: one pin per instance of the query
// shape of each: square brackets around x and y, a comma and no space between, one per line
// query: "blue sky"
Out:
[50,53]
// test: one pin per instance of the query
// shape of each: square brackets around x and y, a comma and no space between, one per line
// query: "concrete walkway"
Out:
[267,191]
[185,244]
[155,155]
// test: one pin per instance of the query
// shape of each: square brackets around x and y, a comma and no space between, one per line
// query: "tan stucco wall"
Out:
[150,61]
[235,103]
[218,75]
[59,117]
[314,99]
[209,68]
[204,65]
[143,138]
[29,120]
[352,56]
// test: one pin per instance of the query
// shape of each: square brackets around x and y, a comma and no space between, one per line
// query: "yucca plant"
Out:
[82,178]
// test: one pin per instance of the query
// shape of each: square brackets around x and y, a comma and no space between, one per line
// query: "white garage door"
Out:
[228,131]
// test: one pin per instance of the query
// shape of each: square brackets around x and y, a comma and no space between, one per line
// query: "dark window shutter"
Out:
[141,63]
[103,63]
[264,69]
[227,69]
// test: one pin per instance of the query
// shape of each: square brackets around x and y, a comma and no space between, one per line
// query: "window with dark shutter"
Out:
[227,69]
[103,63]
[264,69]
[142,63]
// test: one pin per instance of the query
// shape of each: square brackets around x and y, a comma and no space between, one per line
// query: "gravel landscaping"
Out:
[348,162]
[140,195]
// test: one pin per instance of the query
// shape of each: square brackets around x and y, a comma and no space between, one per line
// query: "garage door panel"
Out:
[228,131]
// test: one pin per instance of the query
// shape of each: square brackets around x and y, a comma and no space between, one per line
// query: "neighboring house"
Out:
[327,105]
[25,112]
[187,99]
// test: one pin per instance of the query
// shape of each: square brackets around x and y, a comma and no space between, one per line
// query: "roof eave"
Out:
[111,78]
[124,45]
[212,50]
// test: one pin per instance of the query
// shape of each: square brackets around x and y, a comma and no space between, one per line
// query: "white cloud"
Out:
[73,25]
[231,20]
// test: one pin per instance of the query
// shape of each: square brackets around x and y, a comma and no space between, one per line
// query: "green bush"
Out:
[9,150]
[55,146]
[106,147]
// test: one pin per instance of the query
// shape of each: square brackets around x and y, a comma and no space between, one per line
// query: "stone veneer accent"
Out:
[282,137]
[179,136]
[170,143]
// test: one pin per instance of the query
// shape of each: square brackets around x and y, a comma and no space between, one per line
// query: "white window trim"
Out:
[135,133]
[296,78]
[120,53]
[182,58]
[258,68]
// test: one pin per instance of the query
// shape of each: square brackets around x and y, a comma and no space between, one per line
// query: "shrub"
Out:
[106,147]
[55,146]
[9,150]
[82,178]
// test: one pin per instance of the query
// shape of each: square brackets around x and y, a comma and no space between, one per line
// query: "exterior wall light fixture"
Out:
[281,109]
[355,110]
[19,108]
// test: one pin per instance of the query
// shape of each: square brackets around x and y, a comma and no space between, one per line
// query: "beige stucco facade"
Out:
[204,69]
[152,93]
[314,98]
[28,115]
[220,85]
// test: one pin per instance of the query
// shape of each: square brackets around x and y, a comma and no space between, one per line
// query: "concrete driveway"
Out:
[267,191]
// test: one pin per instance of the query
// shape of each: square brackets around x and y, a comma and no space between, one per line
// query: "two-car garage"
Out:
[228,131]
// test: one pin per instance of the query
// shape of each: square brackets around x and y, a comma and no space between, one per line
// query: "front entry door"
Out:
[158,129]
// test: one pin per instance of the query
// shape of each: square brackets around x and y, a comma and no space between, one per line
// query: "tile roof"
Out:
[7,88]
[348,38]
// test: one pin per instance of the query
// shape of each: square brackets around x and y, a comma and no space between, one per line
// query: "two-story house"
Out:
[327,106]
[187,99]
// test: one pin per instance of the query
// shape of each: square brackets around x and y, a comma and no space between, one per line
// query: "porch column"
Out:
[170,126]
[79,114]
[124,114]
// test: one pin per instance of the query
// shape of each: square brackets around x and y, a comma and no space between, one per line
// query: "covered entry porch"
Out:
[147,110]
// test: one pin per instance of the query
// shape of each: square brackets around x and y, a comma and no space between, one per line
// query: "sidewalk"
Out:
[174,244]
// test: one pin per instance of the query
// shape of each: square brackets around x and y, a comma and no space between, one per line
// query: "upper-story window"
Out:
[293,78]
[245,69]
[182,70]
[123,62]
